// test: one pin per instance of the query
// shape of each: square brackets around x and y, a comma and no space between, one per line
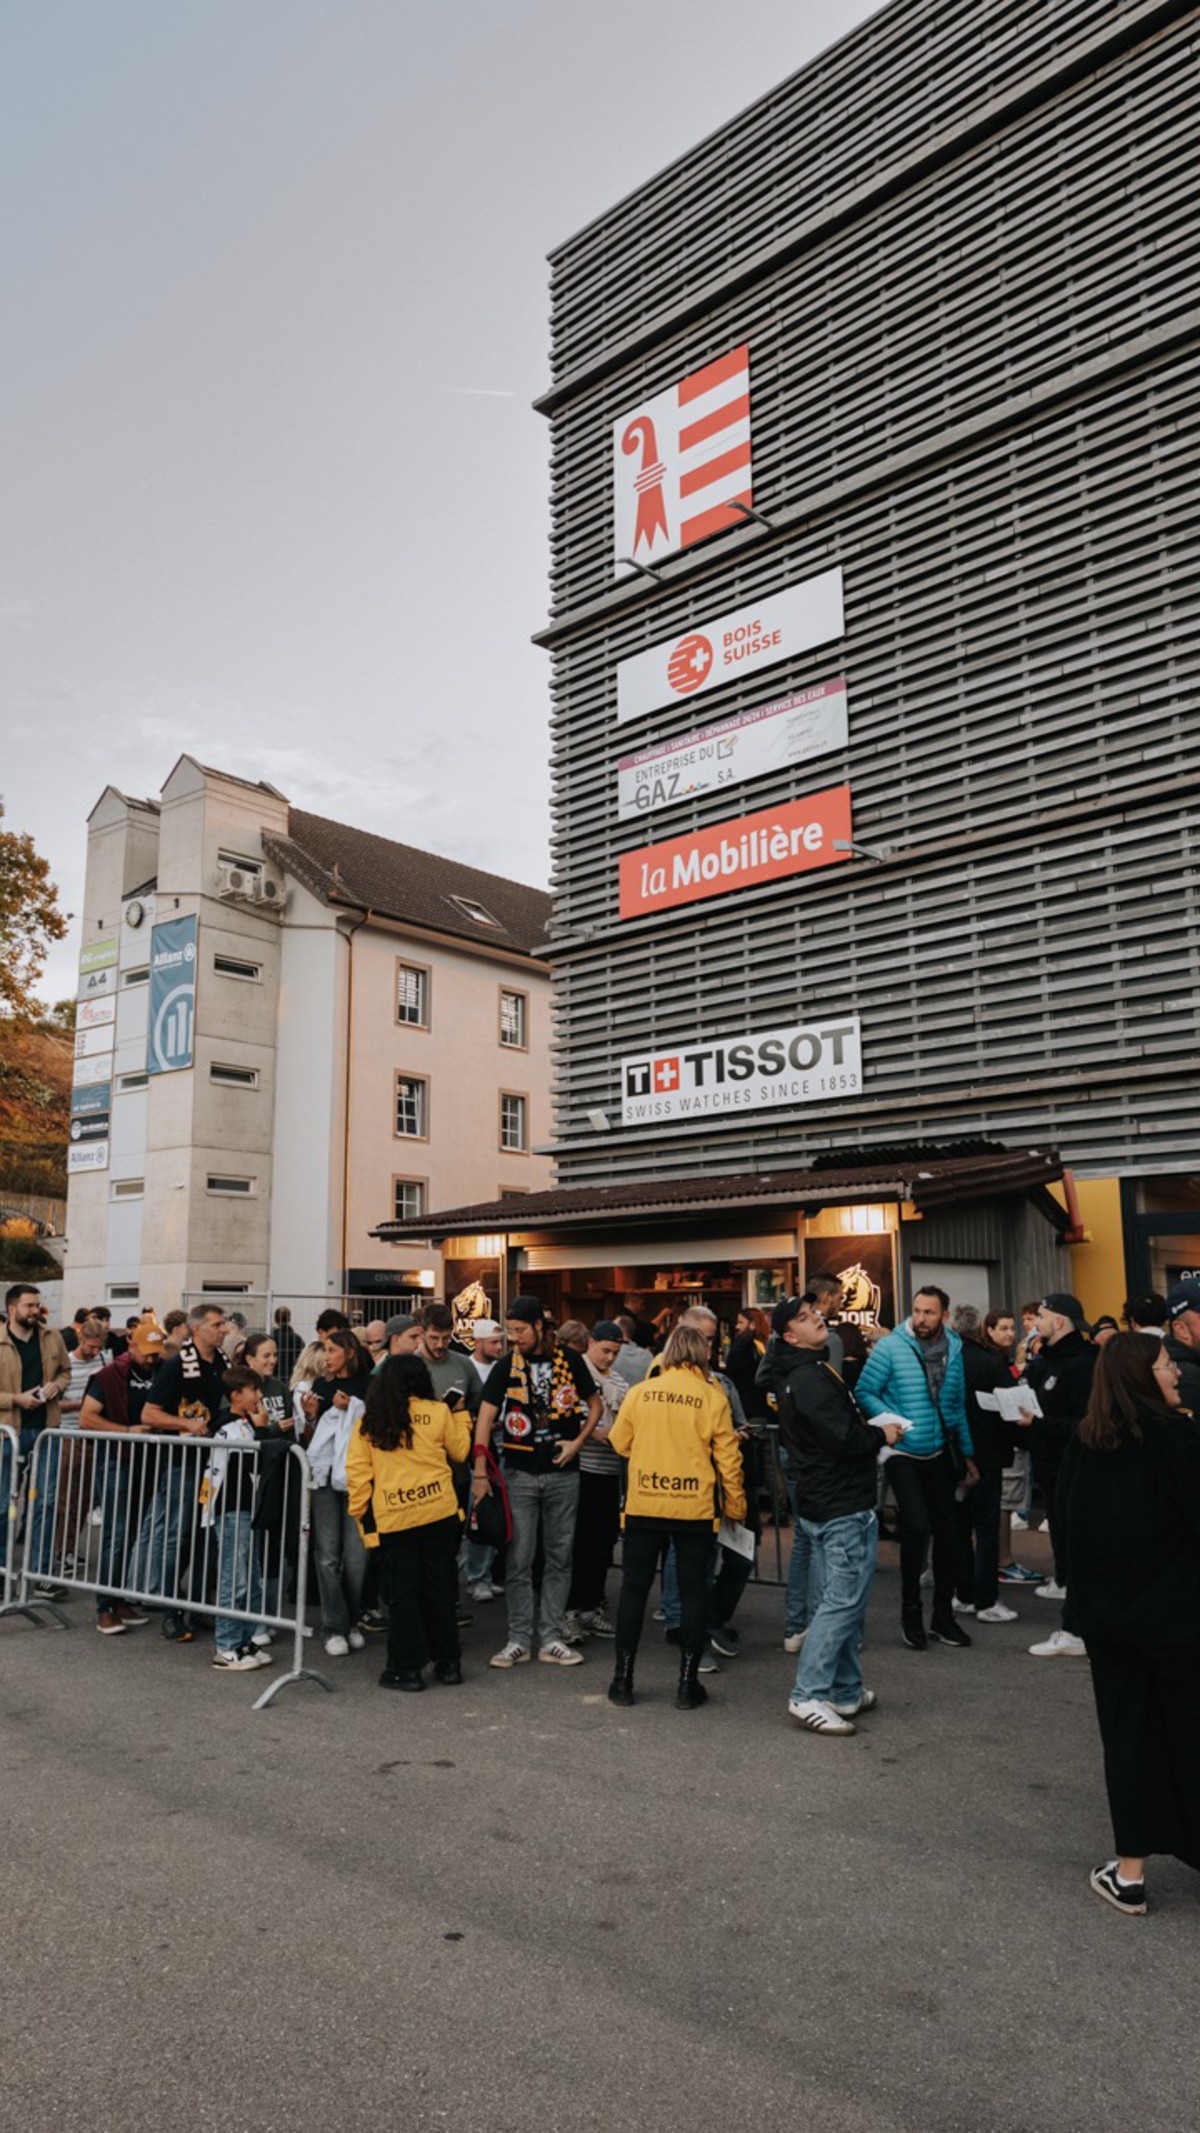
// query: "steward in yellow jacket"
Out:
[412,1484]
[675,1429]
[401,1489]
[677,1434]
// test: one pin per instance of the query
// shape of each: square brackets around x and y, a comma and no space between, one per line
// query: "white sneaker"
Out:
[819,1717]
[963,1607]
[794,1639]
[261,1638]
[356,1640]
[482,1593]
[866,1702]
[573,1631]
[709,1662]
[1019,1524]
[659,1615]
[238,1662]
[556,1653]
[998,1613]
[1051,1591]
[1060,1645]
[337,1647]
[511,1655]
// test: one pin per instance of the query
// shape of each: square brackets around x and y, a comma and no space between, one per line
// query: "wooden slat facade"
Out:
[962,248]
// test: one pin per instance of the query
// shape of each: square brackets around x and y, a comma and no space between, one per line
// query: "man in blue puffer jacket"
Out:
[917,1372]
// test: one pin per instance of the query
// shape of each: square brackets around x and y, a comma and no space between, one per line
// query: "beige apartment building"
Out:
[291,1031]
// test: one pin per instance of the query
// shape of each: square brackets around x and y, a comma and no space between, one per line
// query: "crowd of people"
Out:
[444,1480]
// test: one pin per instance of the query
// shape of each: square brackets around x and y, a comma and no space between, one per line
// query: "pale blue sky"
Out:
[249,250]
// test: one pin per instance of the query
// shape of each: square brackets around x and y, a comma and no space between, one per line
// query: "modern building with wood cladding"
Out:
[875,652]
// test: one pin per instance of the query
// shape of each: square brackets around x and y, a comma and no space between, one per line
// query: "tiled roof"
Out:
[931,1179]
[364,872]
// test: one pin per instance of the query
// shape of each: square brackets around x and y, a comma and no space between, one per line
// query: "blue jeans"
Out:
[797,1602]
[843,1565]
[239,1583]
[154,1564]
[549,1503]
[39,1536]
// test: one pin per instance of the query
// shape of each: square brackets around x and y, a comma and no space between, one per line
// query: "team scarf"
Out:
[564,1398]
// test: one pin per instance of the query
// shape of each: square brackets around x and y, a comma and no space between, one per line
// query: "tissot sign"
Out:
[808,1064]
[730,646]
[681,462]
[767,846]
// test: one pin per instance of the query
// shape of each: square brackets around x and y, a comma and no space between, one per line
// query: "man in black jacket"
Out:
[1061,1375]
[834,1452]
[1183,1339]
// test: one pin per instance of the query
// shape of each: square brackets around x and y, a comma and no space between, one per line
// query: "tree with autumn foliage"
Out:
[29,920]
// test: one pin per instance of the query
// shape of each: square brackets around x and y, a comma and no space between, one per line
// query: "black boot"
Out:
[620,1688]
[692,1692]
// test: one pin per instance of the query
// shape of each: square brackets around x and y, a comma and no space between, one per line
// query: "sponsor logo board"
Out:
[172,996]
[681,462]
[98,1069]
[810,1063]
[97,955]
[96,1014]
[90,1096]
[768,846]
[730,646]
[96,983]
[87,1155]
[90,1129]
[89,1043]
[748,744]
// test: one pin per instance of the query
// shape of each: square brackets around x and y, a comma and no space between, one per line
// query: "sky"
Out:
[276,305]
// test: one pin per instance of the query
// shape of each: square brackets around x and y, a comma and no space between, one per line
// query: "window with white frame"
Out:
[412,995]
[127,1189]
[513,1127]
[233,1077]
[233,966]
[514,1020]
[412,1107]
[236,1188]
[408,1199]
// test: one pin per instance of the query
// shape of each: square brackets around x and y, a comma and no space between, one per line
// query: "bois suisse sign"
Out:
[808,1064]
[776,842]
[731,646]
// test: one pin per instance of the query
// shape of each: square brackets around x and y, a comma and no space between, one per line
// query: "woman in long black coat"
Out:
[1129,1497]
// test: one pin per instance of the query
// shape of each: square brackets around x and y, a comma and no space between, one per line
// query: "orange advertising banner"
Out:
[778,841]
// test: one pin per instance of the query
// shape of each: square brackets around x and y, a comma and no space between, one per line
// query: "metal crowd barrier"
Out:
[184,1525]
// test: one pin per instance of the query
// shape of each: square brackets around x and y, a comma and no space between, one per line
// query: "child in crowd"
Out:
[227,1500]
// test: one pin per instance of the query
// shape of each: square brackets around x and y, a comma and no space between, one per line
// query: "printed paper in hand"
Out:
[739,1538]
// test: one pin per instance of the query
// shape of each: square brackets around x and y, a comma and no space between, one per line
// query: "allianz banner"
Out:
[172,996]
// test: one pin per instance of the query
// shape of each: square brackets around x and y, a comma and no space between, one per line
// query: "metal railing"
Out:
[189,1526]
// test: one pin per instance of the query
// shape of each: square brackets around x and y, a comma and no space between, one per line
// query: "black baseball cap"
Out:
[1183,1296]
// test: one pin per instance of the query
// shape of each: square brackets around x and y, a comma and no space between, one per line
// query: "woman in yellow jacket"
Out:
[677,1435]
[398,1472]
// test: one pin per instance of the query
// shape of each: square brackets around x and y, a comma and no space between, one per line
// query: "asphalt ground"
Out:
[511,1906]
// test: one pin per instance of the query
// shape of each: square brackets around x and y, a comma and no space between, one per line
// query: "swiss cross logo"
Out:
[690,664]
[666,1075]
[681,462]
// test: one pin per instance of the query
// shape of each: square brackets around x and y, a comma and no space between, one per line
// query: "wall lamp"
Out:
[861,851]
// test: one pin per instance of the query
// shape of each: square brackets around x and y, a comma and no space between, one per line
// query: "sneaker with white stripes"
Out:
[1060,1644]
[996,1613]
[818,1716]
[510,1654]
[556,1653]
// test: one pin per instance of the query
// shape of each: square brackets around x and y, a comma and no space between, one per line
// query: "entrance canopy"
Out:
[920,1179]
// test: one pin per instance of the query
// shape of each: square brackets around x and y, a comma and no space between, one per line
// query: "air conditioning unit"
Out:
[235,881]
[272,892]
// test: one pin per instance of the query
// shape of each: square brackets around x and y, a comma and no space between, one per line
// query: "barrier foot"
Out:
[34,1610]
[302,1673]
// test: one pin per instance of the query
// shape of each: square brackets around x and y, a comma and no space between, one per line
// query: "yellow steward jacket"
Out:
[413,1485]
[674,1429]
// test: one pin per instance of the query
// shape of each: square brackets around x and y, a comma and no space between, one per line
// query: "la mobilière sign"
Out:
[776,842]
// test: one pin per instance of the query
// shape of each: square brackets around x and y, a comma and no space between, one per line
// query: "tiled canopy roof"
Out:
[928,1180]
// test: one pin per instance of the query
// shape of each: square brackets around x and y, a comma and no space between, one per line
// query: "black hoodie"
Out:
[833,1447]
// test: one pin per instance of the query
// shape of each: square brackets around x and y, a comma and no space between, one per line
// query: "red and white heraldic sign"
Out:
[681,460]
[778,841]
[733,645]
